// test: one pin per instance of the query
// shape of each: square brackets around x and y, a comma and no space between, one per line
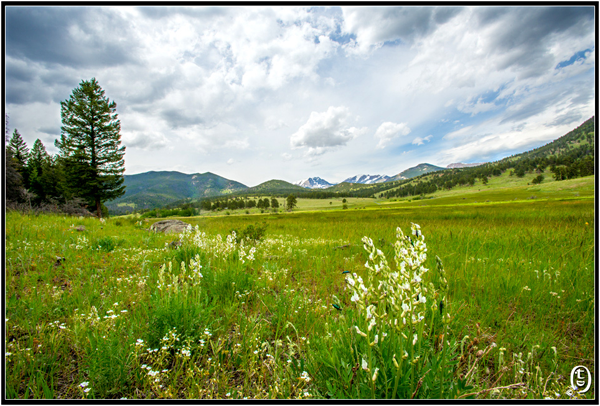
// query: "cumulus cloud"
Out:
[326,130]
[388,131]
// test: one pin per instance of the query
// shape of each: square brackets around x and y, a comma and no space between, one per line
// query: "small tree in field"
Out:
[291,202]
[274,203]
[90,145]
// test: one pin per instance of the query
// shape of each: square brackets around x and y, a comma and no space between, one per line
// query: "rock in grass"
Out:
[175,244]
[169,226]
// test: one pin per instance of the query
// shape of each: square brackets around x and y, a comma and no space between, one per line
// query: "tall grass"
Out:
[116,311]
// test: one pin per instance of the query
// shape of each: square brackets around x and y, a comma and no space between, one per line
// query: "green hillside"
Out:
[568,157]
[156,189]
[581,136]
[415,171]
[348,187]
[273,187]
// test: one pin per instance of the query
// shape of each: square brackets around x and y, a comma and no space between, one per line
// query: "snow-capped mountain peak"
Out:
[367,179]
[314,183]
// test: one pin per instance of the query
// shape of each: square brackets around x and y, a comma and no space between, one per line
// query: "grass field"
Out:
[116,311]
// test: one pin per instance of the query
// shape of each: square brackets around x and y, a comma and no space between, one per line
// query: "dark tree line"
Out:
[238,203]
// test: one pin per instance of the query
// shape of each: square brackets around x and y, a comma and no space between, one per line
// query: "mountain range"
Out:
[159,188]
[367,179]
[318,183]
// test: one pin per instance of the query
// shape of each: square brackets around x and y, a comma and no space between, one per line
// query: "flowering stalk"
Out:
[392,303]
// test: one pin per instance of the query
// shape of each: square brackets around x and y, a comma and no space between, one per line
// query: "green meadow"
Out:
[491,298]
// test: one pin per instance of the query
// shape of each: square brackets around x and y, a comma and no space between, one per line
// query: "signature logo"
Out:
[581,379]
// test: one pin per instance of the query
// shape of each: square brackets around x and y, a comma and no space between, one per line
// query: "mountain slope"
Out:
[568,157]
[580,136]
[416,171]
[155,189]
[274,186]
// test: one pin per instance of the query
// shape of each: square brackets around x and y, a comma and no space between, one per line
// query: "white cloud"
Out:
[324,131]
[421,141]
[476,107]
[388,131]
[237,144]
[274,123]
[230,161]
[458,133]
[197,86]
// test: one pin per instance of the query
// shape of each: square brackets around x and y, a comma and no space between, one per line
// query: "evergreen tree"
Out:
[274,203]
[90,144]
[18,147]
[38,161]
[291,202]
[19,152]
[13,187]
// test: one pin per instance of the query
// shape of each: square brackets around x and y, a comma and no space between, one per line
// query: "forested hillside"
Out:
[156,189]
[569,156]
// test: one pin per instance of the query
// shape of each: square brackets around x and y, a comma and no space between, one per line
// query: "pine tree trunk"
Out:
[98,208]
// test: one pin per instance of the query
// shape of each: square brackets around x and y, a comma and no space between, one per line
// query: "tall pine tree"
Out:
[90,145]
[19,152]
[37,165]
[13,187]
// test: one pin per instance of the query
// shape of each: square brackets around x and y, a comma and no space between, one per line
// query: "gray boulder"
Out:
[169,226]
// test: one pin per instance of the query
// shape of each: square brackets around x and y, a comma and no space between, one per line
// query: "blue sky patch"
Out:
[575,57]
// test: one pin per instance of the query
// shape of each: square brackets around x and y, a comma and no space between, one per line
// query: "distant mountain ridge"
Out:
[274,186]
[367,179]
[416,171]
[158,188]
[314,183]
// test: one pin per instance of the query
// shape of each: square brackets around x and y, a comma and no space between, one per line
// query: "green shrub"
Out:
[251,232]
[538,179]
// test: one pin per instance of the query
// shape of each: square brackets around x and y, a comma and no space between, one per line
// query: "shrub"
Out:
[538,179]
[251,232]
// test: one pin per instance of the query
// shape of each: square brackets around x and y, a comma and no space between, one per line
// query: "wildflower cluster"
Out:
[392,299]
[159,363]
[215,246]
[82,243]
[392,304]
[171,282]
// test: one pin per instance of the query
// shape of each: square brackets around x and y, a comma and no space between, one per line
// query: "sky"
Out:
[254,93]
